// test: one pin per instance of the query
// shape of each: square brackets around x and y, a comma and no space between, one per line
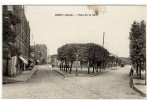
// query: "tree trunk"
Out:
[60,66]
[81,64]
[137,69]
[140,70]
[96,67]
[140,74]
[66,65]
[71,67]
[63,67]
[88,69]
[103,65]
[100,67]
[93,68]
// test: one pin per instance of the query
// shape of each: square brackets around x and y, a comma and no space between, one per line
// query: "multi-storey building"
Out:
[22,31]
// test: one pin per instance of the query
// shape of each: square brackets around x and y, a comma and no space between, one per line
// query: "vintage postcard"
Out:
[74,51]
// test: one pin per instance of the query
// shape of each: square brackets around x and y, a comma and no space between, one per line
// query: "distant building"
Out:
[32,51]
[32,54]
[54,60]
[41,52]
[48,59]
[126,60]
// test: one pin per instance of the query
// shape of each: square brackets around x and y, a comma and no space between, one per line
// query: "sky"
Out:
[55,31]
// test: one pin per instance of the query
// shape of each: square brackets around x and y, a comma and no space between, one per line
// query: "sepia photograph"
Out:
[74,51]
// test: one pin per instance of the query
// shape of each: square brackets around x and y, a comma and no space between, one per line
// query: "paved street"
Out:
[48,84]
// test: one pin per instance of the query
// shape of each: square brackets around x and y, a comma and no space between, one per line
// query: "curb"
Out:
[10,82]
[14,80]
[59,72]
[33,72]
[68,75]
[62,73]
[138,90]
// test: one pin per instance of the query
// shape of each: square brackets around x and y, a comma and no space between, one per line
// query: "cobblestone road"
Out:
[48,84]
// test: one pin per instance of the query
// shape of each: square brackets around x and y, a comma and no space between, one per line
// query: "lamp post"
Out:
[34,52]
[77,62]
[39,55]
[76,65]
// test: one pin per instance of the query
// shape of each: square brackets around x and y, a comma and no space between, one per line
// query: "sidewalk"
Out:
[20,78]
[139,86]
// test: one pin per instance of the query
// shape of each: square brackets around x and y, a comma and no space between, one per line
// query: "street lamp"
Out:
[77,57]
[77,62]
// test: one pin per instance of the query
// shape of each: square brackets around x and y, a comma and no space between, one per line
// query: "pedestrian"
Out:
[131,78]
[131,81]
[131,72]
[35,62]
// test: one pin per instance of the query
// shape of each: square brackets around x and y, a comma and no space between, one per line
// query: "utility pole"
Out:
[34,51]
[47,52]
[103,38]
[48,55]
[103,46]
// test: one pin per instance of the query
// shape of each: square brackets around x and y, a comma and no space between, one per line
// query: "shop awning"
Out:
[23,60]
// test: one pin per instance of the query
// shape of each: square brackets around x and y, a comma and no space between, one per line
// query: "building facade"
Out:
[23,32]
